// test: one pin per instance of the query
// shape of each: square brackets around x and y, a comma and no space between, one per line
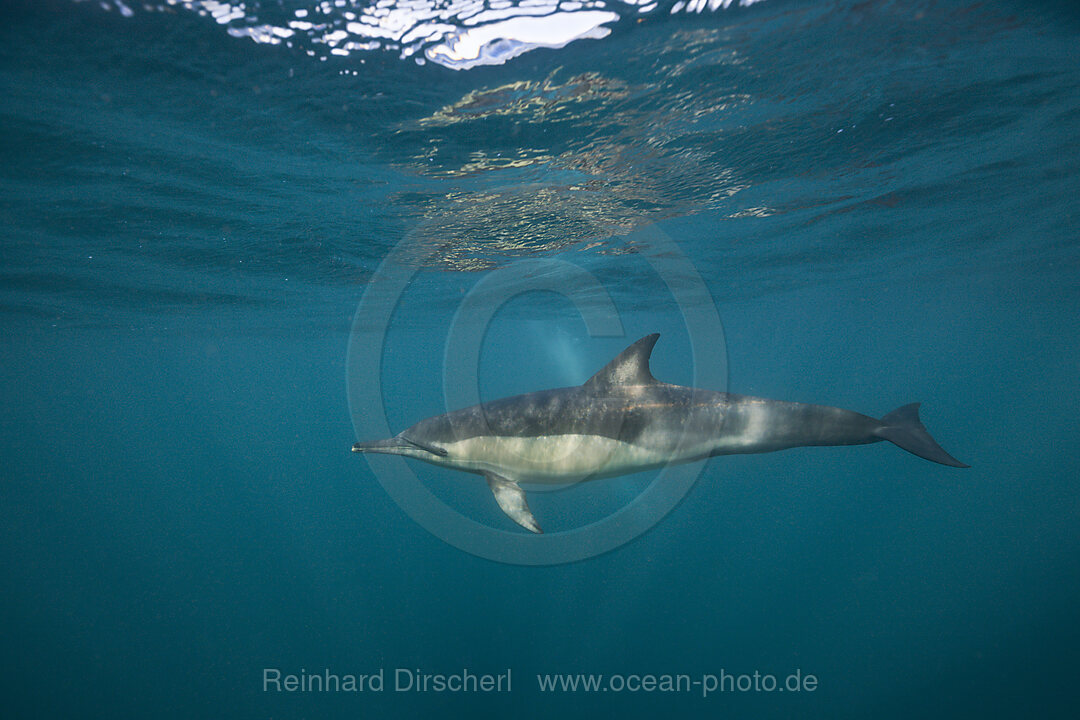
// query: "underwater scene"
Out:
[539,358]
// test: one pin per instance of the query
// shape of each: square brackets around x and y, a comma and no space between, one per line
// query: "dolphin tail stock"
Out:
[903,428]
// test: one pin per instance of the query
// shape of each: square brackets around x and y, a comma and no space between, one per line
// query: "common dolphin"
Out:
[623,420]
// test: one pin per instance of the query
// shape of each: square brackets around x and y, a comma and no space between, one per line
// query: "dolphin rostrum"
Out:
[623,420]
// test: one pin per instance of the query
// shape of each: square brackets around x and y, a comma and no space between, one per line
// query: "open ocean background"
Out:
[880,196]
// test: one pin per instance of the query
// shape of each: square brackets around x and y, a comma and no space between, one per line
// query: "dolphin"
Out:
[623,420]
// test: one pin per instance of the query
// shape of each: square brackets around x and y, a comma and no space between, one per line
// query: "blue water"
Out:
[880,199]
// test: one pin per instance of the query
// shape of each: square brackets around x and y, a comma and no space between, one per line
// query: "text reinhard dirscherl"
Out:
[466,681]
[403,680]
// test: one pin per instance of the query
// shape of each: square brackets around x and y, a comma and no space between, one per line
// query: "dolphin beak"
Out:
[397,445]
[390,446]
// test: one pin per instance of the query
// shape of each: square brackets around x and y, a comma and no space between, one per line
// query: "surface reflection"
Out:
[573,160]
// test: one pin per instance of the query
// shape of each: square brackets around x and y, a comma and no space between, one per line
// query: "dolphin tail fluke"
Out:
[511,499]
[903,428]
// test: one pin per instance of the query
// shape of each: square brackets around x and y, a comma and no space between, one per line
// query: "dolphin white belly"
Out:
[554,459]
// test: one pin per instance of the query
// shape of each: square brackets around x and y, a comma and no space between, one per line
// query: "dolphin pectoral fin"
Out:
[511,499]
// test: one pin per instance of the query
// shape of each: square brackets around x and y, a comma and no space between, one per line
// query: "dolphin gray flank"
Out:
[623,420]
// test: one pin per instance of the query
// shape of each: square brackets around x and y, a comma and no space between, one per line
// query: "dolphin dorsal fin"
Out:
[630,367]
